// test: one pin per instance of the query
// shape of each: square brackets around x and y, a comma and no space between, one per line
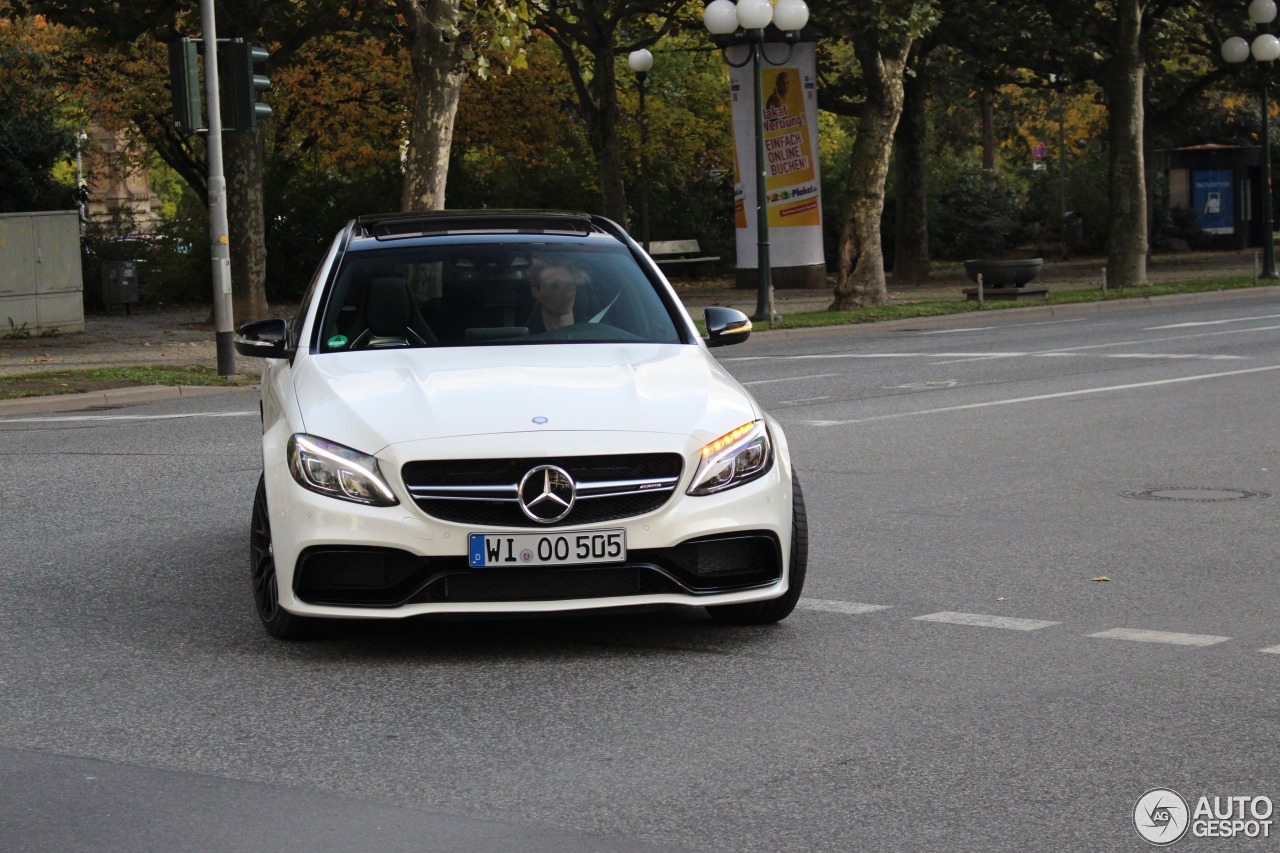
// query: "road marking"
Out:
[980,620]
[1273,650]
[1007,326]
[802,400]
[927,385]
[792,378]
[96,418]
[852,608]
[1212,322]
[1170,637]
[1039,397]
[1193,356]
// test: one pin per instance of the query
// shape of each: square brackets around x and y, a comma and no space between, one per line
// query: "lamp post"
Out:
[1060,83]
[641,61]
[81,136]
[744,23]
[1265,50]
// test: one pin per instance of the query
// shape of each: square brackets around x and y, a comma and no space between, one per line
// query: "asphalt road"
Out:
[959,675]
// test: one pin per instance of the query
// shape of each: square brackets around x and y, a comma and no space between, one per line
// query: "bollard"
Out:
[981,303]
[1257,260]
[1104,282]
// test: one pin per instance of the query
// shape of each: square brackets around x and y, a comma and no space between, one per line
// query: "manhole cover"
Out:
[1194,495]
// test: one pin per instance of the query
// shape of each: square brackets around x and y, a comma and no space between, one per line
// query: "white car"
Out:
[510,412]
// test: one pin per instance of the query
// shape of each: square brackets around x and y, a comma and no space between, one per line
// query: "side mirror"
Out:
[726,326]
[264,339]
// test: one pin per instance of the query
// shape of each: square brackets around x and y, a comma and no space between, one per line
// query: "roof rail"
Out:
[391,226]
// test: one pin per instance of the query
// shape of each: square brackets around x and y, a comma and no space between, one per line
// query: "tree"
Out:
[592,35]
[32,141]
[881,34]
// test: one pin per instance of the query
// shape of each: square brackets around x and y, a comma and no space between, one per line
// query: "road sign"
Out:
[1037,151]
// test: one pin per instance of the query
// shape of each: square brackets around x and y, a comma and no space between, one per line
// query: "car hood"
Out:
[370,400]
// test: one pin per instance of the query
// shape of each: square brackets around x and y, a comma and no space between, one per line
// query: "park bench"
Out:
[676,253]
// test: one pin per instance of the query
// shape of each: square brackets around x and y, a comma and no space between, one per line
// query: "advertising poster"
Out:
[1213,200]
[791,158]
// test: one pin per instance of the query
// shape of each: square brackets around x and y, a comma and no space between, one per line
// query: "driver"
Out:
[554,285]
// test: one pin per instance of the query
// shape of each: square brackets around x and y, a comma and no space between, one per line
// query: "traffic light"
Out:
[241,84]
[184,81]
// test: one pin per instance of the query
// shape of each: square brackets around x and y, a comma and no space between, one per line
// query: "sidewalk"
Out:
[183,336]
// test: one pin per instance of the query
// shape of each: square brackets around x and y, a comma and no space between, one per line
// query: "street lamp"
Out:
[641,61]
[1265,50]
[744,23]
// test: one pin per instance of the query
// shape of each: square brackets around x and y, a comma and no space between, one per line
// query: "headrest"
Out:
[388,308]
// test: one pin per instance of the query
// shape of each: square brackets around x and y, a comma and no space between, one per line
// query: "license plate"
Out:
[488,550]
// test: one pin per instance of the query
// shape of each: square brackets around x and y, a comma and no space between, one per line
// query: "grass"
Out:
[50,382]
[913,310]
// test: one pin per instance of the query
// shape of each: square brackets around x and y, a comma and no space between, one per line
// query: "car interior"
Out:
[482,295]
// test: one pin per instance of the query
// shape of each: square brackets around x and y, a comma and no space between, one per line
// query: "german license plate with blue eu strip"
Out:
[488,550]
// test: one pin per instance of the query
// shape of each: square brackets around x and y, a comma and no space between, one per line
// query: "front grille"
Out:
[484,492]
[548,584]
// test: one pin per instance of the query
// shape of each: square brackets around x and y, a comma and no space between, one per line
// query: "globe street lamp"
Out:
[744,23]
[641,61]
[1265,50]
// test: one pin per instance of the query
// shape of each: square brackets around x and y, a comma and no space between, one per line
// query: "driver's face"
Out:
[556,290]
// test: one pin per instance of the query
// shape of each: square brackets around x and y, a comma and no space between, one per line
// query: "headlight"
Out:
[337,471]
[733,459]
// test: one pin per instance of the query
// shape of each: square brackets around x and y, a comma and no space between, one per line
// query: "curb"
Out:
[110,398]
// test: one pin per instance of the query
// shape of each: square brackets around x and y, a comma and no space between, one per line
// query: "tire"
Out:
[776,609]
[279,622]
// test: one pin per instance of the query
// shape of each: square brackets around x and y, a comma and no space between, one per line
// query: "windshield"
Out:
[497,294]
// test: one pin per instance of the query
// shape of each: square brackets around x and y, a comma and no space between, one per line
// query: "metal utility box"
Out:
[41,287]
[120,283]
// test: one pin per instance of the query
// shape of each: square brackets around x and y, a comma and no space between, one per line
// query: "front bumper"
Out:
[344,560]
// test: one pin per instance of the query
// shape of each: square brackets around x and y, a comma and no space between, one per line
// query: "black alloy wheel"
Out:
[279,622]
[776,609]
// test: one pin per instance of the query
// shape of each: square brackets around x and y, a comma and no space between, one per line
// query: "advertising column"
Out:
[791,155]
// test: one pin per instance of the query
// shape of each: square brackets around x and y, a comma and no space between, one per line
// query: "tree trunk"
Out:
[986,103]
[860,280]
[439,69]
[602,130]
[911,241]
[242,159]
[1127,239]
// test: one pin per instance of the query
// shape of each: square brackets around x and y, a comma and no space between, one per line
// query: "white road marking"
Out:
[981,620]
[1193,356]
[792,378]
[802,400]
[1039,397]
[1213,322]
[1170,637]
[1272,650]
[851,608]
[928,385]
[96,418]
[1008,326]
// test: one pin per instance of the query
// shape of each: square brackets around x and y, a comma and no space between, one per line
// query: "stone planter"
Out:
[1005,279]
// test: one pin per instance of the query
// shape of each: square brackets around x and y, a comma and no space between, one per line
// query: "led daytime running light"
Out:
[727,439]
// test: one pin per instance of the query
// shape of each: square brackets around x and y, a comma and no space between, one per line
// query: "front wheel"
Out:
[279,622]
[776,609]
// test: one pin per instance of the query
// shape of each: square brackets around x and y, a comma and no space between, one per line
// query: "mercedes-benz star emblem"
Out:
[547,493]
